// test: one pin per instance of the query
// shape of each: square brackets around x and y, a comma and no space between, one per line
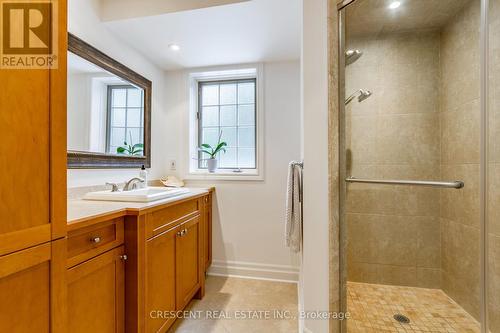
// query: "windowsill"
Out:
[247,175]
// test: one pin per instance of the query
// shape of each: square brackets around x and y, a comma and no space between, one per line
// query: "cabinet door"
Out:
[207,232]
[160,280]
[188,261]
[33,118]
[32,289]
[96,294]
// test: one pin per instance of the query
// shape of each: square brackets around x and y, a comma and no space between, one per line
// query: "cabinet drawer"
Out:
[164,219]
[88,242]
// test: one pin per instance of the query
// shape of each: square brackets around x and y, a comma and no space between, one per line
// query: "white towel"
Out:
[293,222]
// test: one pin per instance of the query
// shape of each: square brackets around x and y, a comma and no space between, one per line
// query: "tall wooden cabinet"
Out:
[33,163]
[33,194]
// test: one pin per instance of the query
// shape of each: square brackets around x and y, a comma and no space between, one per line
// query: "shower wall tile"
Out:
[494,199]
[383,239]
[393,200]
[460,156]
[462,205]
[394,232]
[428,243]
[408,139]
[363,143]
[362,272]
[461,134]
[494,285]
[429,278]
[402,71]
[394,275]
[461,264]
[398,275]
[394,249]
[460,58]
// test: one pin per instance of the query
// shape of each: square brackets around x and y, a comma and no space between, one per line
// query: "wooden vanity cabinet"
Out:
[207,230]
[96,294]
[189,264]
[167,264]
[160,280]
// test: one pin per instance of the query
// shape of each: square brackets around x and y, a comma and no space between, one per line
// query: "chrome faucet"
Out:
[132,184]
[114,187]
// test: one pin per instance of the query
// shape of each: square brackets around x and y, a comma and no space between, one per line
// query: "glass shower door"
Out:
[411,216]
[492,237]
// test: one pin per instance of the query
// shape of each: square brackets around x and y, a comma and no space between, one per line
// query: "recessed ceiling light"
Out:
[174,47]
[395,4]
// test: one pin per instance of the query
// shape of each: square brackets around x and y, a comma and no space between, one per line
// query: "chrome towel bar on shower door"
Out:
[455,184]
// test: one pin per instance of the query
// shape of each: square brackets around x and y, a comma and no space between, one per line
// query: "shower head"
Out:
[352,55]
[363,94]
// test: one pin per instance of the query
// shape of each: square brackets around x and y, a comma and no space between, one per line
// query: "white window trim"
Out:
[240,72]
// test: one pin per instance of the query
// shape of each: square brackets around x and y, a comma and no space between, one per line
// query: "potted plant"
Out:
[212,152]
[130,149]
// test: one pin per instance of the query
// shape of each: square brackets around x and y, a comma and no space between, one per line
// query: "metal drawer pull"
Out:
[95,240]
[455,184]
[124,257]
[182,233]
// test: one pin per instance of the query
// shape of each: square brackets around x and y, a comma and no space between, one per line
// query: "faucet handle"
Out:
[114,186]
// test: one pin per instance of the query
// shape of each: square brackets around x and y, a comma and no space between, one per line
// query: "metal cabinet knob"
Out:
[182,233]
[95,240]
[123,257]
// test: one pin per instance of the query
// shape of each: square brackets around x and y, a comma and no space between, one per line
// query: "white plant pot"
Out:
[212,165]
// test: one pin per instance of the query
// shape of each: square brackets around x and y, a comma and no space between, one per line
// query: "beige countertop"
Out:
[80,210]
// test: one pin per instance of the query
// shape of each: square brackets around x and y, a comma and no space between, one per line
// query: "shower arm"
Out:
[350,98]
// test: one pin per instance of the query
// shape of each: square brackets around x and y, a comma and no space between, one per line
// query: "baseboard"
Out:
[254,271]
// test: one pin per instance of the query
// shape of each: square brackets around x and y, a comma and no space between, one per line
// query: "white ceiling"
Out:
[253,31]
[111,10]
[78,65]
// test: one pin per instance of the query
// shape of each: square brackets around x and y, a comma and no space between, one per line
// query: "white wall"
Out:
[78,111]
[83,21]
[248,234]
[314,284]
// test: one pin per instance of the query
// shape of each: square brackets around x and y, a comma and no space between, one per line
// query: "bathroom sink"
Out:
[140,195]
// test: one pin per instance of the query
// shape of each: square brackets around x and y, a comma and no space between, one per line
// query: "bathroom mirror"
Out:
[109,111]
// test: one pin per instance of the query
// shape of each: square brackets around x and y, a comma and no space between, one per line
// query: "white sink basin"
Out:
[140,195]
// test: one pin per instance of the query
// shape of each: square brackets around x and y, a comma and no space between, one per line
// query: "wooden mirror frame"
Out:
[91,160]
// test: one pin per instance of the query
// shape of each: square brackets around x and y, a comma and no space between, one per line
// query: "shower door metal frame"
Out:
[484,158]
[342,165]
[484,169]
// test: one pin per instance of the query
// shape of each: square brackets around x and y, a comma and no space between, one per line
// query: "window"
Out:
[125,117]
[228,108]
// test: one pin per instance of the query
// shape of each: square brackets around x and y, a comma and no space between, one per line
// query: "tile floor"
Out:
[373,306]
[264,301]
